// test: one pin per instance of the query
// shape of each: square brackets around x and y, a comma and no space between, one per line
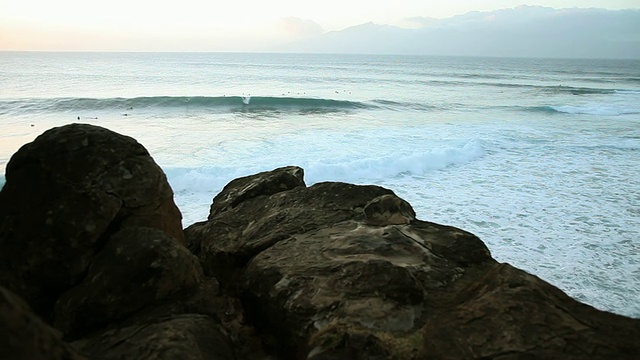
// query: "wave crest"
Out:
[603,110]
[355,170]
[206,103]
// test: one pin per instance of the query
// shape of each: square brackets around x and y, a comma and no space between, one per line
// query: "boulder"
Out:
[91,237]
[188,337]
[312,262]
[65,194]
[341,271]
[230,238]
[388,210]
[510,314]
[262,184]
[138,268]
[24,336]
[334,289]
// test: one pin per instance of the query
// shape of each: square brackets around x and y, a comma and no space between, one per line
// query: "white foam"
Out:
[202,183]
[621,102]
[376,167]
[598,109]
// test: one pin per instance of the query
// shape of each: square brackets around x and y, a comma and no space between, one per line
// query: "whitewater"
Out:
[540,158]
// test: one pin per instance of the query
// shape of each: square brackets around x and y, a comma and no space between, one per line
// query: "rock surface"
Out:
[188,337]
[508,313]
[65,193]
[23,336]
[91,239]
[340,271]
[136,260]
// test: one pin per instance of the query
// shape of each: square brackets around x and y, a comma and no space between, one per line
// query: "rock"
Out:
[332,290]
[136,269]
[340,271]
[90,236]
[65,194]
[232,237]
[188,337]
[23,336]
[388,210]
[245,188]
[261,184]
[314,262]
[508,313]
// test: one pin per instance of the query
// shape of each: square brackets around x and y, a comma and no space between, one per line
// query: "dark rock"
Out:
[320,263]
[261,184]
[65,194]
[356,283]
[388,210]
[188,337]
[245,188]
[232,237]
[339,271]
[510,314]
[89,225]
[137,268]
[23,336]
[330,271]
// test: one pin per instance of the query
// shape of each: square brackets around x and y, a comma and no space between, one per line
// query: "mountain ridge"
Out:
[524,31]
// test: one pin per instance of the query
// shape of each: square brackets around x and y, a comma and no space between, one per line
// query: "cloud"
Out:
[299,28]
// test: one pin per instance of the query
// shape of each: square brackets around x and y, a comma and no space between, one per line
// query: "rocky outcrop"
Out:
[65,194]
[136,260]
[340,271]
[91,239]
[507,313]
[263,184]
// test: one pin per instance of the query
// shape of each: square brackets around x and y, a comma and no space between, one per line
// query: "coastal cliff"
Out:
[94,263]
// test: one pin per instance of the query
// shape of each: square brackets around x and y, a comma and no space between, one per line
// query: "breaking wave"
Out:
[603,109]
[204,103]
[356,169]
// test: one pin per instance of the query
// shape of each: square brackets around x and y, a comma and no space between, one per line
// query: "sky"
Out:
[206,25]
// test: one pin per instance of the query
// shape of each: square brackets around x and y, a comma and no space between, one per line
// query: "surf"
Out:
[218,104]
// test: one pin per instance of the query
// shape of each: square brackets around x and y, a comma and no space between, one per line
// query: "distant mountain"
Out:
[525,31]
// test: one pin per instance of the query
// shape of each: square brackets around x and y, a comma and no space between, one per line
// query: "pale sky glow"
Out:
[205,25]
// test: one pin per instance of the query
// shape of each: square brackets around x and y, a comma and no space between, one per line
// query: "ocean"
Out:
[540,158]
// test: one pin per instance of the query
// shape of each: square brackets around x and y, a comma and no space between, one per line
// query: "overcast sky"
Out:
[208,25]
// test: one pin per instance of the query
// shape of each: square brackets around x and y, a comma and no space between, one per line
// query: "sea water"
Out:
[538,157]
